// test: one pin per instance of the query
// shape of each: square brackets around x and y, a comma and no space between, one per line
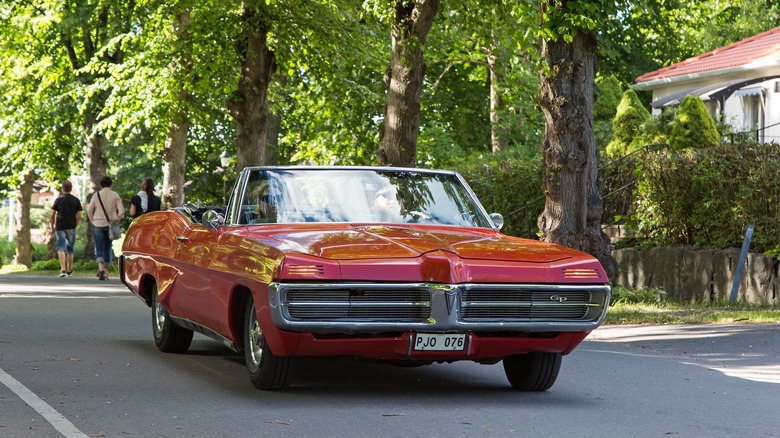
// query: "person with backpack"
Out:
[145,201]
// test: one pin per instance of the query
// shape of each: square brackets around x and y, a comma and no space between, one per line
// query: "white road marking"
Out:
[63,426]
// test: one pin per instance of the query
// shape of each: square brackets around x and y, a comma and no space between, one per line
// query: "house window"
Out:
[753,115]
[712,108]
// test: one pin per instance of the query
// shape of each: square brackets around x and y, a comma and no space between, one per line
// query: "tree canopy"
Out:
[161,88]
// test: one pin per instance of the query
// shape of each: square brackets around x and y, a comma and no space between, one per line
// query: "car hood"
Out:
[388,241]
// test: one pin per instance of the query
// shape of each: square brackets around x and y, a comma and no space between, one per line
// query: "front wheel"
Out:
[266,370]
[532,371]
[169,337]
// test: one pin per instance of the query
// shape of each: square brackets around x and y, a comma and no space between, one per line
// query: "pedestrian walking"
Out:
[105,206]
[65,218]
[145,201]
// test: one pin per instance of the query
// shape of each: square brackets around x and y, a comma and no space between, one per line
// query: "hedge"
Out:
[698,197]
[707,197]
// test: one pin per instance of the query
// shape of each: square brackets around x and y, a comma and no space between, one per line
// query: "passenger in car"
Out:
[264,204]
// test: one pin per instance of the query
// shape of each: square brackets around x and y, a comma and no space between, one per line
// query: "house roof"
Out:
[764,46]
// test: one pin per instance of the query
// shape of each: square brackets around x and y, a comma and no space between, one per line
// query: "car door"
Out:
[196,296]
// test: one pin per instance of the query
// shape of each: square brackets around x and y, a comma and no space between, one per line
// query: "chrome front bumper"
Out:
[426,307]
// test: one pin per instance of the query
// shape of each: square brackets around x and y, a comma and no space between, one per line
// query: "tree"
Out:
[573,204]
[494,51]
[175,148]
[626,126]
[248,104]
[644,35]
[404,81]
[693,126]
[37,109]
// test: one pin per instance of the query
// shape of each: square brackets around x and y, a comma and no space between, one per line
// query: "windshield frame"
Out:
[481,219]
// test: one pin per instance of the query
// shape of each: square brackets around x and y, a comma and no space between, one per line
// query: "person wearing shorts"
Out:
[65,217]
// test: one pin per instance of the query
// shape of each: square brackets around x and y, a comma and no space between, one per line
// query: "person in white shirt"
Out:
[106,201]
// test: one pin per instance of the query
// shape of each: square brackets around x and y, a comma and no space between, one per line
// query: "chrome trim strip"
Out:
[186,323]
[440,319]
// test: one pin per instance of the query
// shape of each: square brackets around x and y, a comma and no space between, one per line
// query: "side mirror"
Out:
[498,220]
[211,220]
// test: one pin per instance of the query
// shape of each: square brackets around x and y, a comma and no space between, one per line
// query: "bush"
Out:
[609,96]
[46,265]
[657,129]
[707,197]
[630,116]
[693,126]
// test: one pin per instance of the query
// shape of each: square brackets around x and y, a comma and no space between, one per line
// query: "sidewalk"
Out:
[40,286]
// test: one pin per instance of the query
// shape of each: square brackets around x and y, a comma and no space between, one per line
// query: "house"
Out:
[739,84]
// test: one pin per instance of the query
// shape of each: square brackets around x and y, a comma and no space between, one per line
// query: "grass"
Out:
[690,313]
[652,307]
[80,269]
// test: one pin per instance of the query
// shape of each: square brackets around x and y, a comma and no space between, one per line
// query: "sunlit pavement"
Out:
[746,351]
[45,286]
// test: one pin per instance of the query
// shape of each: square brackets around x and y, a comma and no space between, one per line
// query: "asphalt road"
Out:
[77,359]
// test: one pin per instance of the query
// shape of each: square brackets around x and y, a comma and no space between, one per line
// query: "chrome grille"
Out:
[481,303]
[357,304]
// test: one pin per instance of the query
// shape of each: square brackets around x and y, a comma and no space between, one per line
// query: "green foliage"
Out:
[7,251]
[707,197]
[46,265]
[602,131]
[645,35]
[693,126]
[657,128]
[510,187]
[624,295]
[609,97]
[562,19]
[628,119]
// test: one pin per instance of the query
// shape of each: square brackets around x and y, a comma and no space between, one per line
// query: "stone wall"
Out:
[691,274]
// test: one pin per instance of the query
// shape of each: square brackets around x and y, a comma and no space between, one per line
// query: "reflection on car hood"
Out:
[399,241]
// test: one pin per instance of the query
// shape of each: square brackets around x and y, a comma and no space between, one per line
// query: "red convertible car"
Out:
[399,265]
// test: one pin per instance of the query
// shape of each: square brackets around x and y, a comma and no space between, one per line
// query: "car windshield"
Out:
[358,195]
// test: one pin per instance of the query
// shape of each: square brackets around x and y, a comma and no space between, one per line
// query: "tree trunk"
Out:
[404,82]
[496,67]
[573,206]
[97,165]
[24,248]
[249,103]
[273,126]
[174,160]
[175,148]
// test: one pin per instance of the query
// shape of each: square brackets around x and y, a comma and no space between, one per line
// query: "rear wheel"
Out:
[266,370]
[169,337]
[532,371]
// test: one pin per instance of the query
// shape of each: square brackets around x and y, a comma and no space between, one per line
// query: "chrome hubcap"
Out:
[255,339]
[159,316]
